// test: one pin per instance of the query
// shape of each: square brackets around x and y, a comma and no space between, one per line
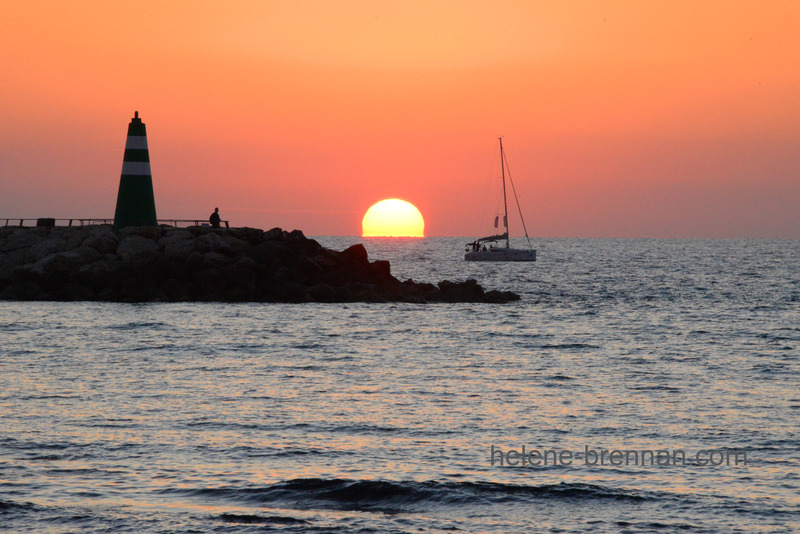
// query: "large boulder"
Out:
[208,242]
[148,232]
[68,261]
[213,260]
[23,238]
[356,255]
[252,236]
[467,291]
[135,247]
[72,236]
[46,247]
[173,236]
[102,239]
[179,249]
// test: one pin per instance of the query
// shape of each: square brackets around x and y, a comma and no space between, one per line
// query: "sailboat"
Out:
[490,248]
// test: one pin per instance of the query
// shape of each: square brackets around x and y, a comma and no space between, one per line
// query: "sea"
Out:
[638,386]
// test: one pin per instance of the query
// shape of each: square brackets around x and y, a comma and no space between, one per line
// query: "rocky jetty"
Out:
[165,264]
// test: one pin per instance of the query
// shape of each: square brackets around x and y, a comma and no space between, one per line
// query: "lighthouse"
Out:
[136,204]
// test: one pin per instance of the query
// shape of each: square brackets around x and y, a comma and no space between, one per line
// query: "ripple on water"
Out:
[364,417]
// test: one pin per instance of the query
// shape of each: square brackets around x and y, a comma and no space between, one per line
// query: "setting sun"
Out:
[393,218]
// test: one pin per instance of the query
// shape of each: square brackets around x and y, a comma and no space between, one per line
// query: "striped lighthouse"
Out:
[136,204]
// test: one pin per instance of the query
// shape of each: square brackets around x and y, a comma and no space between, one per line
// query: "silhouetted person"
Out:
[214,219]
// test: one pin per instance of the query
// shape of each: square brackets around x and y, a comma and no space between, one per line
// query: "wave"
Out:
[366,429]
[349,429]
[134,325]
[250,519]
[34,445]
[15,327]
[46,397]
[656,387]
[568,346]
[383,495]
[12,506]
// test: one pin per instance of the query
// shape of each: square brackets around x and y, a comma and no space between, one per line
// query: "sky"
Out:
[619,118]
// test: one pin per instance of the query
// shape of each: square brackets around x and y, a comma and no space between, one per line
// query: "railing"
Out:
[190,222]
[85,222]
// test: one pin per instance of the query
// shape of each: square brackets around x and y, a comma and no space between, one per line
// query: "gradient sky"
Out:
[619,119]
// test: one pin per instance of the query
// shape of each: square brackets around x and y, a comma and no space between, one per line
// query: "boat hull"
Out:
[501,254]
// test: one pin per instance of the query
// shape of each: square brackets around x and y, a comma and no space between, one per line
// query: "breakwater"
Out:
[163,264]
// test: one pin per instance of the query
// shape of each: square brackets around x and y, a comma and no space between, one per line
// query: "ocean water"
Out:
[680,355]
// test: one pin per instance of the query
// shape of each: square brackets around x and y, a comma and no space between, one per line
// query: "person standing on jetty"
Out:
[214,220]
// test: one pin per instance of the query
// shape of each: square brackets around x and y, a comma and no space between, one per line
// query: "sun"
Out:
[393,218]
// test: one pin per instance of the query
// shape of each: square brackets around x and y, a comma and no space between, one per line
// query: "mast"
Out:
[505,203]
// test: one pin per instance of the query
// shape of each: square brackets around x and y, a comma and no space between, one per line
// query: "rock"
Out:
[24,238]
[275,234]
[467,291]
[72,236]
[73,292]
[322,293]
[209,285]
[202,264]
[246,262]
[268,251]
[304,270]
[88,255]
[22,290]
[328,259]
[101,267]
[197,231]
[194,261]
[179,250]
[47,247]
[6,231]
[206,242]
[296,235]
[500,297]
[9,261]
[172,291]
[153,233]
[382,269]
[290,292]
[174,236]
[136,247]
[102,239]
[355,255]
[251,236]
[68,261]
[232,245]
[215,259]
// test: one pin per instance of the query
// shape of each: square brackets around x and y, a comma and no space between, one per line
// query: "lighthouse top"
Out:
[136,127]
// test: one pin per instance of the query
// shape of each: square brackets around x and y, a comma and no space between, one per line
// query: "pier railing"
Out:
[87,222]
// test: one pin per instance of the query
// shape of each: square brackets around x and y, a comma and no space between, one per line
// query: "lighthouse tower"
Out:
[136,204]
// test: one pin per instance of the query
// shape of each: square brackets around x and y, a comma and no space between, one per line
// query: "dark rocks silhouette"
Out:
[165,264]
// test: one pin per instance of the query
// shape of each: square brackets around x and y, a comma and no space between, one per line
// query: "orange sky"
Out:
[620,119]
